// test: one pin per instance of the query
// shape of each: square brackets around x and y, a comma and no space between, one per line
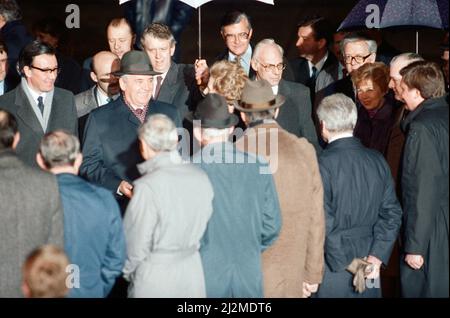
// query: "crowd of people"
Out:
[252,176]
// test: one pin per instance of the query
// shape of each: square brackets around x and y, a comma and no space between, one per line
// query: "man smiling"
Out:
[38,105]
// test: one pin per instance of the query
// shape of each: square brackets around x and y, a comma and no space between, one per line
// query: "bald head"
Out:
[103,64]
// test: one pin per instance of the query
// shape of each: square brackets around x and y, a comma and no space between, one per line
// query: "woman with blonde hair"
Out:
[227,79]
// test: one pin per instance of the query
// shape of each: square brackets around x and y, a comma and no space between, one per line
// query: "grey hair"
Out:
[10,10]
[371,44]
[338,112]
[263,43]
[59,148]
[159,133]
[407,57]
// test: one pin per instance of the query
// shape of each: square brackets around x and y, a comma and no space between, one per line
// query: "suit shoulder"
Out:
[296,87]
[64,93]
[8,97]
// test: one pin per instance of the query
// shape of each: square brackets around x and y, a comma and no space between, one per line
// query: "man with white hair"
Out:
[93,232]
[246,218]
[356,50]
[295,115]
[166,218]
[362,213]
[397,63]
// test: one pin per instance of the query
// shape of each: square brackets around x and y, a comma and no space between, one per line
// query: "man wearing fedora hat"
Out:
[295,115]
[110,143]
[293,266]
[246,218]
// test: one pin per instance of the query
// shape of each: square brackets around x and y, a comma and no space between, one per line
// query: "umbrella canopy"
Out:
[411,13]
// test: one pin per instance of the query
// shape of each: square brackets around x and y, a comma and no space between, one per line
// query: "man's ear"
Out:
[94,77]
[78,161]
[16,140]
[40,161]
[27,71]
[322,43]
[372,58]
[122,83]
[254,65]
[250,33]
[172,49]
[25,290]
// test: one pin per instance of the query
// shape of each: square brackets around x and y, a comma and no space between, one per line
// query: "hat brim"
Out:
[232,120]
[147,72]
[279,100]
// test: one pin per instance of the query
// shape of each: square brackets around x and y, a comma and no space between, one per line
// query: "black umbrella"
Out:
[392,13]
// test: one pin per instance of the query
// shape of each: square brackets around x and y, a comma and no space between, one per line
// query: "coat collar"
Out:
[344,143]
[161,160]
[25,112]
[428,104]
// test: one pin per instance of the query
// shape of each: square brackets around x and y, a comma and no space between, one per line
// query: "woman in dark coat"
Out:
[424,269]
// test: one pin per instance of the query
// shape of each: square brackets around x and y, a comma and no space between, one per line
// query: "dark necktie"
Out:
[158,86]
[40,104]
[314,73]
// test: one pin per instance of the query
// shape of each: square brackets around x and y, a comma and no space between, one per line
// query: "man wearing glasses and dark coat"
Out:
[38,105]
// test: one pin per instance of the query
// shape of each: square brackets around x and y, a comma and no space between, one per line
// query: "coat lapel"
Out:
[25,111]
[170,86]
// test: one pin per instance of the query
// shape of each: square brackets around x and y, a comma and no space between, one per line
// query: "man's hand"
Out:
[308,289]
[376,267]
[126,189]
[414,261]
[201,72]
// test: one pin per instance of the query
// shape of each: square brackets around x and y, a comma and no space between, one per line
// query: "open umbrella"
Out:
[407,13]
[197,5]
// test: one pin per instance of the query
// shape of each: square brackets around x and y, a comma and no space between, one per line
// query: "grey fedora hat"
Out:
[258,96]
[135,63]
[212,111]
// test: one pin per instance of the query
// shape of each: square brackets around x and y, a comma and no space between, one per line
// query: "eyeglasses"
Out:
[47,70]
[272,67]
[241,36]
[358,59]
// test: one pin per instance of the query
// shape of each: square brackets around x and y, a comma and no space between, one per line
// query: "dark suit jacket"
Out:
[63,116]
[94,238]
[327,75]
[110,143]
[295,113]
[179,88]
[363,215]
[31,216]
[85,102]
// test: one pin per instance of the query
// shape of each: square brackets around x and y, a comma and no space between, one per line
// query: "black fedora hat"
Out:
[212,111]
[135,63]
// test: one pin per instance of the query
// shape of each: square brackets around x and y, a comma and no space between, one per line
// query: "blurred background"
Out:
[278,22]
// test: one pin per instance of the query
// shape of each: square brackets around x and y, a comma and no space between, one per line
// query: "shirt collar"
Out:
[275,89]
[319,64]
[245,58]
[33,93]
[340,136]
